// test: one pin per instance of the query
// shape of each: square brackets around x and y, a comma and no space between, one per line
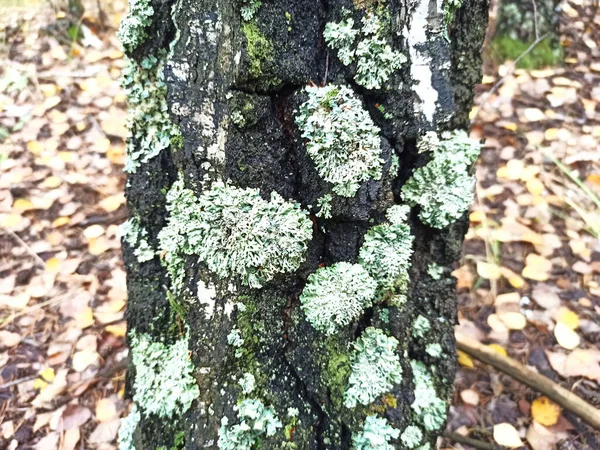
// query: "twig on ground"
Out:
[534,380]
[26,246]
[470,441]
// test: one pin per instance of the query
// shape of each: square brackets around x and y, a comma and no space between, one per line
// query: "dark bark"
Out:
[221,65]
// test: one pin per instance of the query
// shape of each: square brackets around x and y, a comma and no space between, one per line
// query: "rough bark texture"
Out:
[220,65]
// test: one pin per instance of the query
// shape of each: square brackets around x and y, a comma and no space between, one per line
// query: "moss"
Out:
[544,54]
[336,368]
[258,46]
[177,142]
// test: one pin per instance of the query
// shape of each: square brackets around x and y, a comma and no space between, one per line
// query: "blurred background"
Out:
[528,282]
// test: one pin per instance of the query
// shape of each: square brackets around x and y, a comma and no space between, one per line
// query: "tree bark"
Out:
[235,86]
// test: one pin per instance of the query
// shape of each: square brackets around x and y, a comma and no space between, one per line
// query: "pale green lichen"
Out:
[342,139]
[443,188]
[235,232]
[450,7]
[164,383]
[421,327]
[375,59]
[250,8]
[375,367]
[324,204]
[434,350]
[256,421]
[127,429]
[411,436]
[435,271]
[136,236]
[336,296]
[387,251]
[235,339]
[133,28]
[375,435]
[149,123]
[429,409]
[247,383]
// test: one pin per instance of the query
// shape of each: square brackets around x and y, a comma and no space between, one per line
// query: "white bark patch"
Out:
[206,296]
[420,62]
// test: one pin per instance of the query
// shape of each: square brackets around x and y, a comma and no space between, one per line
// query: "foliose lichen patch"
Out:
[368,47]
[387,251]
[430,410]
[133,28]
[149,123]
[444,187]
[127,428]
[342,139]
[375,367]
[235,232]
[256,421]
[164,384]
[375,435]
[336,296]
[137,237]
[411,436]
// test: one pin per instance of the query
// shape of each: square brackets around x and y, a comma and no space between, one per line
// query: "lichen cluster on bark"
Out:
[315,298]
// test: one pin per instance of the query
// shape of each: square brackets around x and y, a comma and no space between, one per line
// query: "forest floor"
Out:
[529,281]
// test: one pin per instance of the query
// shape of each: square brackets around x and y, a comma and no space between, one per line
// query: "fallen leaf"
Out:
[544,411]
[105,432]
[94,231]
[566,337]
[568,318]
[106,410]
[489,271]
[507,435]
[578,363]
[74,416]
[470,397]
[85,358]
[71,438]
[499,349]
[465,360]
[9,339]
[48,442]
[537,267]
[545,296]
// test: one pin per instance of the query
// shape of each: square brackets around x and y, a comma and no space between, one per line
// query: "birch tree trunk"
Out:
[299,175]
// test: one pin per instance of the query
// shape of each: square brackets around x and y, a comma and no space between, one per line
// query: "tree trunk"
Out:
[298,182]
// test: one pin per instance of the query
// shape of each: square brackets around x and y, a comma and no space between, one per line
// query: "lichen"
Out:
[258,46]
[435,271]
[434,349]
[375,367]
[164,384]
[411,436]
[375,435]
[421,327]
[375,59]
[127,429]
[136,236]
[429,409]
[256,421]
[342,139]
[450,7]
[336,296]
[149,123]
[250,8]
[235,232]
[387,251]
[247,383]
[443,188]
[324,205]
[133,28]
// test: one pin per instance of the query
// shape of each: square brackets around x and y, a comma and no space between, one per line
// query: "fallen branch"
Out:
[534,380]
[471,442]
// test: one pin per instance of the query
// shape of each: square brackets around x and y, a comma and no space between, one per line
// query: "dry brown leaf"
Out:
[578,363]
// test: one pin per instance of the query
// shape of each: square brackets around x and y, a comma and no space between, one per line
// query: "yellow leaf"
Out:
[489,271]
[11,220]
[35,147]
[48,374]
[97,246]
[476,216]
[498,348]
[507,435]
[535,186]
[593,178]
[38,383]
[568,318]
[551,134]
[112,203]
[536,267]
[84,318]
[545,412]
[515,280]
[119,330]
[566,337]
[22,204]
[465,360]
[52,182]
[513,320]
[53,265]
[60,221]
